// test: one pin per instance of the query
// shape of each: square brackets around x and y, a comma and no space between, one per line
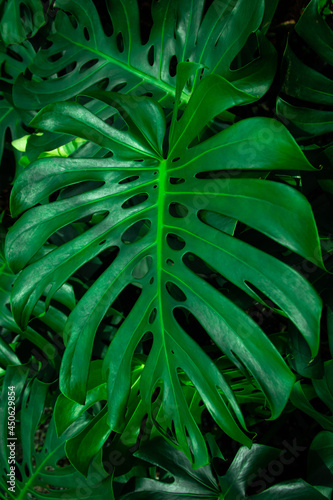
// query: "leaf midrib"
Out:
[36,472]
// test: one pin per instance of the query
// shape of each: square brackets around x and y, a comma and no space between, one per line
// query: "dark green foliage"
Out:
[165,272]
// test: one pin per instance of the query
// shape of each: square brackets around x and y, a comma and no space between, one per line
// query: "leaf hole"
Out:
[129,179]
[175,242]
[151,55]
[104,18]
[86,34]
[170,262]
[178,210]
[120,42]
[173,65]
[88,65]
[176,180]
[102,242]
[136,231]
[103,84]
[151,281]
[155,394]
[73,21]
[175,292]
[152,316]
[175,159]
[119,87]
[55,57]
[142,268]
[135,200]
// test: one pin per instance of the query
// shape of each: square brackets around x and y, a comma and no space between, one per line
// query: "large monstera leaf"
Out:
[106,48]
[163,219]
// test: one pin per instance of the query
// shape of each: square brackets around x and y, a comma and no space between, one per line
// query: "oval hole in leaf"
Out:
[175,242]
[55,57]
[119,87]
[142,268]
[136,231]
[72,20]
[155,394]
[86,34]
[129,179]
[135,200]
[175,292]
[176,180]
[105,19]
[178,210]
[120,42]
[102,85]
[173,65]
[151,55]
[87,65]
[152,316]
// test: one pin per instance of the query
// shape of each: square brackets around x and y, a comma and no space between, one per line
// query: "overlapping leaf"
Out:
[307,88]
[153,207]
[105,48]
[178,480]
[55,319]
[20,19]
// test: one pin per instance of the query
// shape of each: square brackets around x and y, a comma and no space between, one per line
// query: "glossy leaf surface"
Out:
[152,204]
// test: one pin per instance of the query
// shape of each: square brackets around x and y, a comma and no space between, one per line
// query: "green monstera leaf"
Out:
[20,19]
[105,48]
[167,210]
[14,61]
[307,90]
[39,467]
[12,335]
[177,479]
[85,446]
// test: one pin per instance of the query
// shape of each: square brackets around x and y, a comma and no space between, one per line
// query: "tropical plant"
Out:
[155,215]
[166,256]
